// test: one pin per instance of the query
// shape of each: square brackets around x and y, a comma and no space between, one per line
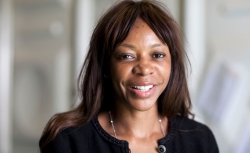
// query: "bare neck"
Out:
[140,124]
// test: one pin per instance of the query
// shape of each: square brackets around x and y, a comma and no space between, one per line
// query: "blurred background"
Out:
[43,44]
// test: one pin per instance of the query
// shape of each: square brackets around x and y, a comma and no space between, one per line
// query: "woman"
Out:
[134,94]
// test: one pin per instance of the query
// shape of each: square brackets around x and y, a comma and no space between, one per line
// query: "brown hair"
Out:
[112,29]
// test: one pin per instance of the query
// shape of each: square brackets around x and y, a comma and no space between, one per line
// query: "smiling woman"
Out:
[139,69]
[134,94]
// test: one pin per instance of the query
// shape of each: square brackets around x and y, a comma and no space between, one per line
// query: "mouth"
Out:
[143,88]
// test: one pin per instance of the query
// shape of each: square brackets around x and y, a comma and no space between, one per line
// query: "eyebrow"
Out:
[155,45]
[133,47]
[129,46]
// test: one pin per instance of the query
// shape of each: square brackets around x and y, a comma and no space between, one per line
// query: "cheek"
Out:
[120,71]
[165,74]
[115,72]
[165,70]
[118,76]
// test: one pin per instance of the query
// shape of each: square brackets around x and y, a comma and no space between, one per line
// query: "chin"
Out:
[143,105]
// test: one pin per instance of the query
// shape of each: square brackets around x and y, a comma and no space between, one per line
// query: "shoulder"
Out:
[69,139]
[193,133]
[183,123]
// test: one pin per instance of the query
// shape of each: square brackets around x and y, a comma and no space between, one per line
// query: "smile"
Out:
[143,88]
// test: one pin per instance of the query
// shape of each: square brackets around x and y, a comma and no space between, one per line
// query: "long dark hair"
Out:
[112,29]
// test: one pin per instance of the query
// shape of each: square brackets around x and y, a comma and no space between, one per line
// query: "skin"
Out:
[139,69]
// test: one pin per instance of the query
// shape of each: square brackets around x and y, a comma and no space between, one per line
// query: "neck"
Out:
[139,124]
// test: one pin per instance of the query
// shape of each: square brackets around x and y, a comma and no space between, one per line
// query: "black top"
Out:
[185,136]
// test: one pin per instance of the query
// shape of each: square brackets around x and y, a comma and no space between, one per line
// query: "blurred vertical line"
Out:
[6,69]
[193,22]
[73,14]
[85,19]
[181,13]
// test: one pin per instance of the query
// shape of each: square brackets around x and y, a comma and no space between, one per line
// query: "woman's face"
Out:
[140,68]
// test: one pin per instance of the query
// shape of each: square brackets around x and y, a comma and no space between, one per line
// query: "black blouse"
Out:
[185,136]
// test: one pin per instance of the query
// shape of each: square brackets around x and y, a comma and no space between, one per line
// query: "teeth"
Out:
[143,88]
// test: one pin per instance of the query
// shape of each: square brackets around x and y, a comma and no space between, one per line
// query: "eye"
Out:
[158,55]
[125,57]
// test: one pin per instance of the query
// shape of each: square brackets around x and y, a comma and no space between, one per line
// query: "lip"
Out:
[139,90]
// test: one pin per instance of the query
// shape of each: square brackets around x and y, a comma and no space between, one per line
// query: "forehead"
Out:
[140,25]
[141,32]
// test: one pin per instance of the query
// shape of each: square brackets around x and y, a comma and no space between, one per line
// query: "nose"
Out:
[143,67]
